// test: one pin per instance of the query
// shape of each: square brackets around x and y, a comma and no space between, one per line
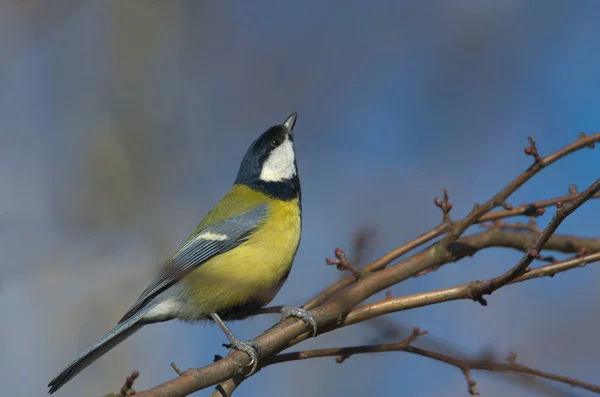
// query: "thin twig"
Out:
[573,189]
[445,205]
[127,388]
[343,353]
[532,150]
[503,194]
[466,365]
[176,369]
[488,287]
[530,226]
[342,263]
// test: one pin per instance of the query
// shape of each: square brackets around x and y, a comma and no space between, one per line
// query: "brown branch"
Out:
[530,209]
[458,292]
[470,245]
[500,197]
[488,287]
[467,365]
[379,264]
[343,353]
[464,364]
[416,264]
[332,313]
[467,246]
[389,329]
[396,273]
[530,226]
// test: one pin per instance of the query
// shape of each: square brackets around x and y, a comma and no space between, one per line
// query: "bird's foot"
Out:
[250,347]
[305,315]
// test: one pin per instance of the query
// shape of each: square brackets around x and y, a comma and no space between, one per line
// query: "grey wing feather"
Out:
[226,234]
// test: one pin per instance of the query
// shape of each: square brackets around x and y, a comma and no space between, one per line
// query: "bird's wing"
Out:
[213,240]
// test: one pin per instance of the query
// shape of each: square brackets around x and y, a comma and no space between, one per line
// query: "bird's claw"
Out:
[251,348]
[305,315]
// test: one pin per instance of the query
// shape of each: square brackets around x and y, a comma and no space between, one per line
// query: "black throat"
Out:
[284,190]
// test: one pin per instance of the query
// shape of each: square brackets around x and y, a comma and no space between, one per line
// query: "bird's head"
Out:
[270,162]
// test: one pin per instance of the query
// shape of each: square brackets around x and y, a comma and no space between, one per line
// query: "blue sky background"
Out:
[122,123]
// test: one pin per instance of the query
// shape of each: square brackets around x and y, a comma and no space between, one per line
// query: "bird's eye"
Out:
[275,142]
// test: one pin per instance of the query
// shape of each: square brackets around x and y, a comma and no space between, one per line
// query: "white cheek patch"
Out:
[280,164]
[212,236]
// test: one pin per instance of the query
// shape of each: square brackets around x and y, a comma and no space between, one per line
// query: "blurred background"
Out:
[122,123]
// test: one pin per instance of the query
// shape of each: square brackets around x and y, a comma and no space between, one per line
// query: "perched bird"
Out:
[234,262]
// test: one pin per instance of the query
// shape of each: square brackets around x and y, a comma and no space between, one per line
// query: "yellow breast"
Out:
[252,273]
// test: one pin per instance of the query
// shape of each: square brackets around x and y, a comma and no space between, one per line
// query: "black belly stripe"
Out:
[240,312]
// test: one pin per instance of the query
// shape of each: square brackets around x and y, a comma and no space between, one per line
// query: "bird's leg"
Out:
[250,347]
[288,311]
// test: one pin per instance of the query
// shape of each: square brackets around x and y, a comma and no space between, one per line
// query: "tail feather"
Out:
[115,336]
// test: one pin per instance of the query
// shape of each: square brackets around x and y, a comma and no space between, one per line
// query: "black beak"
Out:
[290,122]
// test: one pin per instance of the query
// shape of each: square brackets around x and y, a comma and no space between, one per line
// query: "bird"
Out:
[234,262]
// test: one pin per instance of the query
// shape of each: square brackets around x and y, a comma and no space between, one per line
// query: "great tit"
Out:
[234,262]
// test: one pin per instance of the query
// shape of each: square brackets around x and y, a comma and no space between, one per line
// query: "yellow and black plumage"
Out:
[234,262]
